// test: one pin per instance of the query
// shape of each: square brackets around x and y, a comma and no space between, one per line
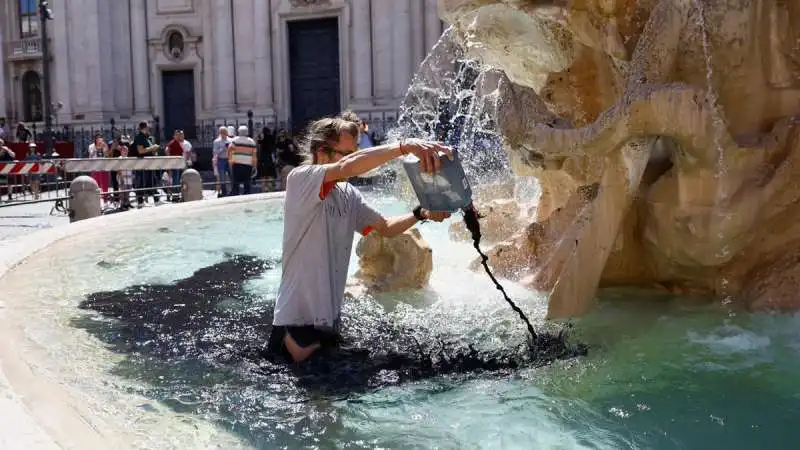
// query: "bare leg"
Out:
[299,354]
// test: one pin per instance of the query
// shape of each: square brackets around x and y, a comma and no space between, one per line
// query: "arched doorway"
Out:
[32,96]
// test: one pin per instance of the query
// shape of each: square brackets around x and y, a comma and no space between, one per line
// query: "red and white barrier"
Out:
[92,165]
[112,164]
[27,168]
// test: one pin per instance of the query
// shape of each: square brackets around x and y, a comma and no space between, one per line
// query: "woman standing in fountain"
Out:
[321,213]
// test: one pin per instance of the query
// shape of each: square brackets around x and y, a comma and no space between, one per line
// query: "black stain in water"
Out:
[205,334]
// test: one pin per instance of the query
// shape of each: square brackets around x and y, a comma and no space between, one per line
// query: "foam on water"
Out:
[731,339]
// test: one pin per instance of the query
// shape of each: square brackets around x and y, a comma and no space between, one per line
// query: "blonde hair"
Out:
[323,134]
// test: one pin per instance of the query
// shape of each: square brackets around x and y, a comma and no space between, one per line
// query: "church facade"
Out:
[192,60]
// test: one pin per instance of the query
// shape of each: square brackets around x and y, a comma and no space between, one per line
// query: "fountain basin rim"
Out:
[60,421]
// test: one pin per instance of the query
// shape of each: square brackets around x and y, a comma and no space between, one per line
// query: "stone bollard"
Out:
[191,186]
[84,199]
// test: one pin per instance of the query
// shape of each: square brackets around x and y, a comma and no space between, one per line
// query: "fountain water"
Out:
[151,332]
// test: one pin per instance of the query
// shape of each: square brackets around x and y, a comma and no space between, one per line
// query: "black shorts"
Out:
[304,336]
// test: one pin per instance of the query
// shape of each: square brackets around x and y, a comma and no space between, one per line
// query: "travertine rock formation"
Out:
[389,264]
[502,218]
[679,117]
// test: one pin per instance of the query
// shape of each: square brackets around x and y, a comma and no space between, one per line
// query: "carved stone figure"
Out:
[683,113]
[502,218]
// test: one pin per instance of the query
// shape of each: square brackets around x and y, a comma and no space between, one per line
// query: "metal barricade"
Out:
[58,173]
[31,180]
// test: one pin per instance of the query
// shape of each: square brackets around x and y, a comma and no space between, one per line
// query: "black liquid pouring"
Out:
[471,220]
[449,190]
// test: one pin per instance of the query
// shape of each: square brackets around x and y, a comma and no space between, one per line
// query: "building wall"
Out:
[109,55]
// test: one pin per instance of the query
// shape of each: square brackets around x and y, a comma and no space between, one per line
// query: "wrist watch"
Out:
[418,214]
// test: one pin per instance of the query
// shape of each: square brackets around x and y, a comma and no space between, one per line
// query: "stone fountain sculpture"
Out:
[664,134]
[389,264]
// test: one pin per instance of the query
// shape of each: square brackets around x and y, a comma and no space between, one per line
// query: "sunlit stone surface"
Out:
[681,115]
[400,262]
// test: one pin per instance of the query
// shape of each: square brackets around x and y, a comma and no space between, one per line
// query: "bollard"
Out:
[191,186]
[84,199]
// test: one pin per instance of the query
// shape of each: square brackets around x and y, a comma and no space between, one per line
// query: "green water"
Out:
[659,375]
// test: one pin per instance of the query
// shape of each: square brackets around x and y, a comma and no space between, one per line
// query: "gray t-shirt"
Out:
[319,222]
[220,147]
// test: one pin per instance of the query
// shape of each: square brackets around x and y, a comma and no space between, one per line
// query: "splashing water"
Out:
[443,104]
[451,101]
[455,99]
[719,128]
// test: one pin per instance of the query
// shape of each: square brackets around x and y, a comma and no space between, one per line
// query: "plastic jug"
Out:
[447,190]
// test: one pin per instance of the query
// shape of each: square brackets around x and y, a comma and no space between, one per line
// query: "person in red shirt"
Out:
[175,148]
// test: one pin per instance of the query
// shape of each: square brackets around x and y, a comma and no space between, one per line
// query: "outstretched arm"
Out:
[393,226]
[362,161]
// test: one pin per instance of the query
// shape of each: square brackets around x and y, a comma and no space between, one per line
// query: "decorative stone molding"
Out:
[165,58]
[176,43]
[175,7]
[309,3]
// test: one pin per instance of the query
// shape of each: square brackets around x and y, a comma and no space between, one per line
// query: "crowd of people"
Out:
[238,161]
[33,181]
[276,152]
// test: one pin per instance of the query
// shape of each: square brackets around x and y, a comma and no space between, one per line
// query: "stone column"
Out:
[361,53]
[121,68]
[62,91]
[244,12]
[417,38]
[85,64]
[382,50]
[222,33]
[107,101]
[262,43]
[93,66]
[401,58]
[141,71]
[3,78]
[433,25]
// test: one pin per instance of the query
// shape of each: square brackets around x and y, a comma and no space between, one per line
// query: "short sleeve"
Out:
[365,215]
[304,185]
